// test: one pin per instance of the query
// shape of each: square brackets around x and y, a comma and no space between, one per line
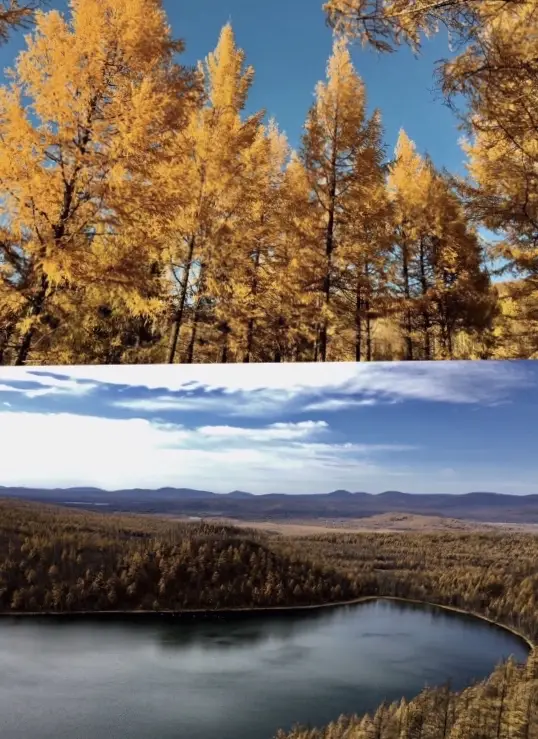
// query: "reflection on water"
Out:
[234,678]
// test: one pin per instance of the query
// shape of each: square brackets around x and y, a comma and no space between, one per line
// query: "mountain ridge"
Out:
[474,506]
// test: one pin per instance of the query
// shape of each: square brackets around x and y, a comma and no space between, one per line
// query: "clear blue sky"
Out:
[451,427]
[288,44]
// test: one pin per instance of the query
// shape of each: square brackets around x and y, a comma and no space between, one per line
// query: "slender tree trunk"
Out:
[197,315]
[450,343]
[329,249]
[8,333]
[35,312]
[225,331]
[446,332]
[224,355]
[426,325]
[368,331]
[194,332]
[407,294]
[252,321]
[281,326]
[178,317]
[358,321]
[250,340]
[324,333]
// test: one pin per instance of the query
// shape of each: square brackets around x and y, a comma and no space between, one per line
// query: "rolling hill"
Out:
[474,506]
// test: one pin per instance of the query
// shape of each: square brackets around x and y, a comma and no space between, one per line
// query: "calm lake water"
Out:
[231,679]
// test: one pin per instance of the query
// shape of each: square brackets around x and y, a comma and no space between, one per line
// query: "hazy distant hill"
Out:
[479,506]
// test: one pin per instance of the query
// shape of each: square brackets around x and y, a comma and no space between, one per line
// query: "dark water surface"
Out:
[234,678]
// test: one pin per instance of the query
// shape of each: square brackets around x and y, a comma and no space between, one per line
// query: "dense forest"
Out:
[503,706]
[146,218]
[55,560]
[492,574]
[58,560]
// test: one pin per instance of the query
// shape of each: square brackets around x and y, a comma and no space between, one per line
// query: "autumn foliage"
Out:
[146,218]
[59,560]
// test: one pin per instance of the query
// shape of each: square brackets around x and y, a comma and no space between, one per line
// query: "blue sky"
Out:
[450,427]
[288,44]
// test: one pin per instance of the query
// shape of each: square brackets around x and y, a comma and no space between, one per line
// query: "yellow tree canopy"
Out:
[90,109]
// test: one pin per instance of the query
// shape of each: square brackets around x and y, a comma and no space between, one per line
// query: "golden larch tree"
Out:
[90,109]
[441,285]
[334,137]
[496,74]
[210,168]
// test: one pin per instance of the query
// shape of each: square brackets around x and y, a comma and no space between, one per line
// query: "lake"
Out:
[233,678]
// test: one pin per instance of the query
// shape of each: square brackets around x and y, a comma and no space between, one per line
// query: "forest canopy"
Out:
[146,218]
[58,560]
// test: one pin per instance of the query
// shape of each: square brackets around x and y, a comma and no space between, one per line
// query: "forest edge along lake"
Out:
[189,614]
[235,675]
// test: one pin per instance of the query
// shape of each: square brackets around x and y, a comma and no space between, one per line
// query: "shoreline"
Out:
[223,613]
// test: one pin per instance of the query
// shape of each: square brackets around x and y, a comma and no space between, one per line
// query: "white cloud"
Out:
[49,385]
[443,381]
[274,432]
[69,450]
[253,405]
[63,449]
[337,404]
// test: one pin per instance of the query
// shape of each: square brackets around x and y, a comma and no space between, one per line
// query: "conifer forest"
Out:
[146,218]
[59,560]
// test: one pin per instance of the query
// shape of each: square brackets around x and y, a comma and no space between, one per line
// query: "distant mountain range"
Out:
[484,507]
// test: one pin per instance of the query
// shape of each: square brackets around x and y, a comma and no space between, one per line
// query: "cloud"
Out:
[355,384]
[255,404]
[14,380]
[44,449]
[274,432]
[266,390]
[337,404]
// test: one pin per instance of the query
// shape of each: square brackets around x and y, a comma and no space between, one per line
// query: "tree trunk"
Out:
[8,333]
[225,344]
[358,321]
[224,355]
[192,343]
[368,332]
[197,313]
[329,248]
[37,309]
[407,293]
[426,325]
[178,318]
[252,322]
